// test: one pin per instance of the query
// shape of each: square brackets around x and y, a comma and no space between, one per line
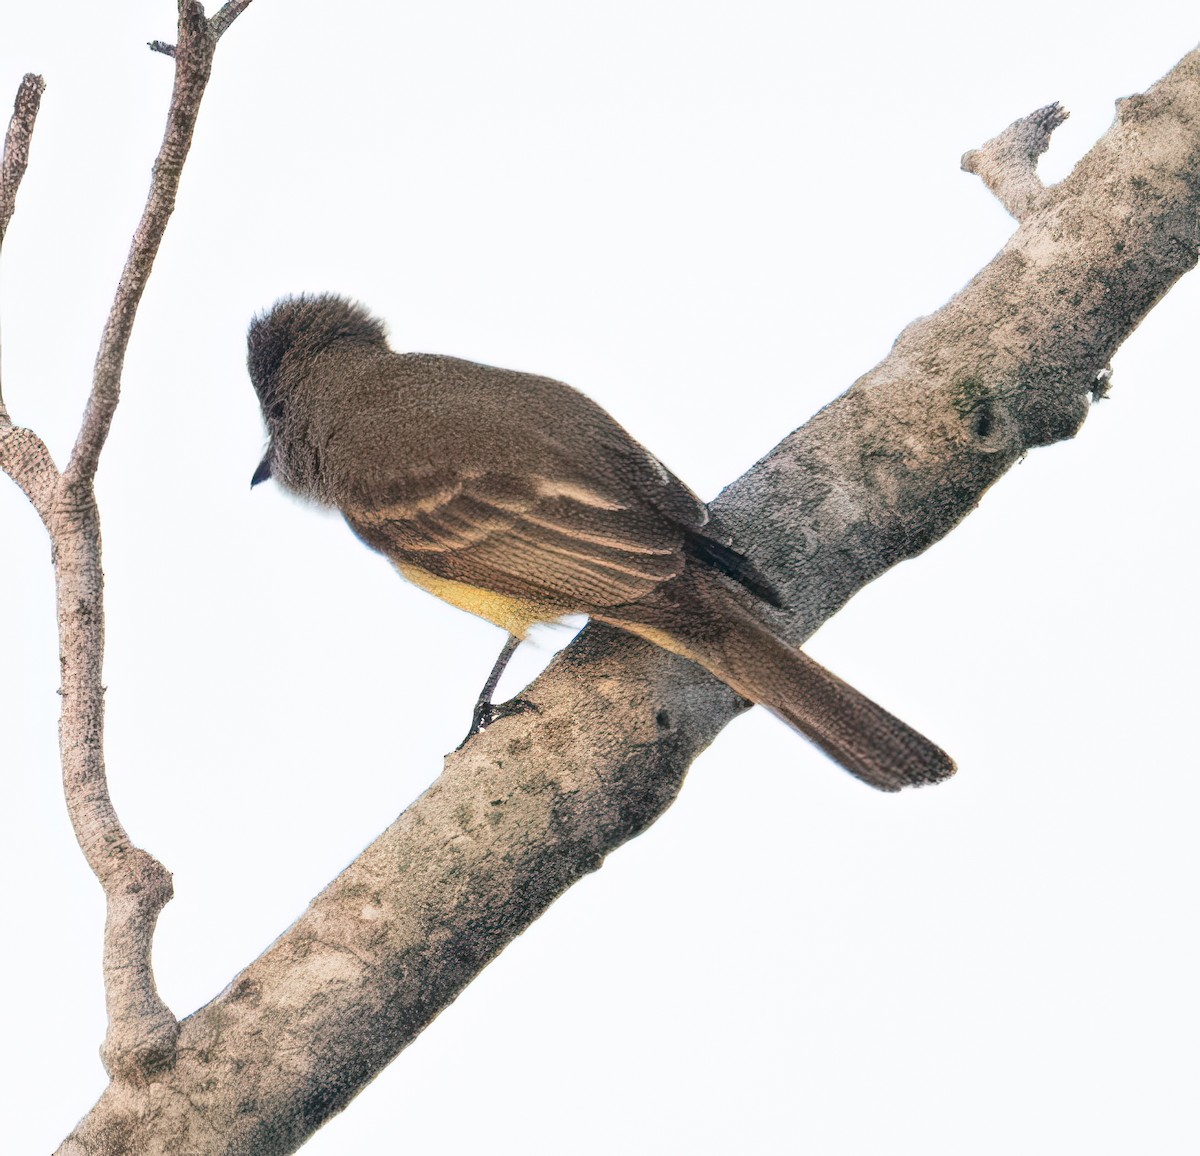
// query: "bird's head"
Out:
[283,345]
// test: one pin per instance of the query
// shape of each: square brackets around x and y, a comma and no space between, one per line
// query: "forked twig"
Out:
[141,1029]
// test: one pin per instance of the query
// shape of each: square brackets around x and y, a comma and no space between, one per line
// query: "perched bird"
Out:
[517,498]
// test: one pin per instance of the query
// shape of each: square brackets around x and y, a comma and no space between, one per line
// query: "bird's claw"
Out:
[487,713]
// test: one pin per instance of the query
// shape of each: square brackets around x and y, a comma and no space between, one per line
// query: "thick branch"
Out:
[536,802]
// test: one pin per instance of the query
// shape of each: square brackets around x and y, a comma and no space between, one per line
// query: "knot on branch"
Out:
[990,428]
[142,1031]
[1007,163]
[144,881]
[142,1055]
[194,30]
[1132,108]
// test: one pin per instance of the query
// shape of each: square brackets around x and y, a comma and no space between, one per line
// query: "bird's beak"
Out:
[262,473]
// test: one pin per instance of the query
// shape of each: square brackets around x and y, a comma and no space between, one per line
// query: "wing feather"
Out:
[524,537]
[508,482]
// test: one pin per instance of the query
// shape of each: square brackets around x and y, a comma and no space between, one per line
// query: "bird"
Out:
[519,499]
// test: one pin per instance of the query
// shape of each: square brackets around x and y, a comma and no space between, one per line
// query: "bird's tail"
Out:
[697,616]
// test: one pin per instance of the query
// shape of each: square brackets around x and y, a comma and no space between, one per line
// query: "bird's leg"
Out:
[484,702]
[486,711]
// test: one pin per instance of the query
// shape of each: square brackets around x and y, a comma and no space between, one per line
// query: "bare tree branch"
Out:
[220,23]
[217,26]
[16,145]
[536,802]
[193,62]
[26,459]
[1007,164]
[141,1029]
[12,170]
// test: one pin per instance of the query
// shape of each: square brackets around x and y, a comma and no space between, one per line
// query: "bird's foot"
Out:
[487,713]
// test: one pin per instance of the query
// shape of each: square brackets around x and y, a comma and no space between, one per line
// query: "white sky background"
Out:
[711,217]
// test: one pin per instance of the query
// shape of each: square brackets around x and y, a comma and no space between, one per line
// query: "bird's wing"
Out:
[564,542]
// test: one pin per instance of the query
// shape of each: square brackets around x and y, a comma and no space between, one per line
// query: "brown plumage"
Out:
[517,498]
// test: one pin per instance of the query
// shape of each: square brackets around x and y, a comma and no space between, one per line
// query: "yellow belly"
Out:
[516,615]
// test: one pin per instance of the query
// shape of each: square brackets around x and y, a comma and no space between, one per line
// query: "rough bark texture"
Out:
[537,801]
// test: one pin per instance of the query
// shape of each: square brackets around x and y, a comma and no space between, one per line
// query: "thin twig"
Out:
[193,60]
[16,145]
[16,160]
[220,23]
[193,55]
[23,455]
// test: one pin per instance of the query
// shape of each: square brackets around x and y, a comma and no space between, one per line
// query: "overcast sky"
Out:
[710,217]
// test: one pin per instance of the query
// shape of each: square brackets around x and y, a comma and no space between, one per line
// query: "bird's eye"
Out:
[277,411]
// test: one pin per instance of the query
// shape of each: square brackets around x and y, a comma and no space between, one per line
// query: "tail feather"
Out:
[858,733]
[731,562]
[696,616]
